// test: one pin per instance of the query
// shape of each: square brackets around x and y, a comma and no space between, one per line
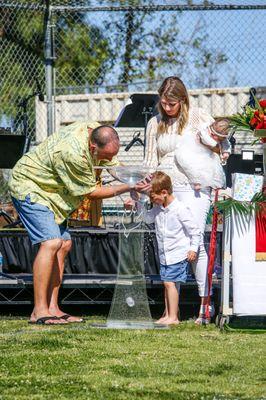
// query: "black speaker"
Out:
[11,149]
[235,163]
[133,115]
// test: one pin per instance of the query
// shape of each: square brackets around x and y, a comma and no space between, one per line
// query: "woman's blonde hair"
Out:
[173,89]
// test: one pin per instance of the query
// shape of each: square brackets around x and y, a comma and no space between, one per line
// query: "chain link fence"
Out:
[85,58]
[134,49]
[67,49]
[21,62]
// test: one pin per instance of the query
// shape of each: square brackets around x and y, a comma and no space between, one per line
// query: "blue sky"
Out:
[239,34]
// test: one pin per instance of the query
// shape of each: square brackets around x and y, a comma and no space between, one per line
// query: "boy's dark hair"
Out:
[161,181]
[104,134]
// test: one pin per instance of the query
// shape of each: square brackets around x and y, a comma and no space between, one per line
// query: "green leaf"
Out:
[244,208]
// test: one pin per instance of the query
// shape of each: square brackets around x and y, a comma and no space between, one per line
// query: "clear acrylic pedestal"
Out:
[130,306]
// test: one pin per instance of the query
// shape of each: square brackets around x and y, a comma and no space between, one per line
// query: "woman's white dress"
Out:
[160,155]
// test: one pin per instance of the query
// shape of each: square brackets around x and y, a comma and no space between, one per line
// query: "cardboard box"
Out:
[245,186]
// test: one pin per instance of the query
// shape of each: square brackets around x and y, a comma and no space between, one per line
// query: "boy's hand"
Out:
[129,204]
[197,186]
[191,256]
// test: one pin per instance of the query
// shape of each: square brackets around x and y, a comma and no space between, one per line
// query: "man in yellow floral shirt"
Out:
[46,185]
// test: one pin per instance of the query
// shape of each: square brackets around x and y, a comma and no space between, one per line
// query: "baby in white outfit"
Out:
[194,155]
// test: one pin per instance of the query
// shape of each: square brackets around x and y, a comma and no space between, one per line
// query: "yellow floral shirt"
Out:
[59,172]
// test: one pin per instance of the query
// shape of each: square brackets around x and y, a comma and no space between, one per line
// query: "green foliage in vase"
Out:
[244,208]
[252,118]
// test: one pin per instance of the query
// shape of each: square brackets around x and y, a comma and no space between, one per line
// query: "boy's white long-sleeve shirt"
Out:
[176,231]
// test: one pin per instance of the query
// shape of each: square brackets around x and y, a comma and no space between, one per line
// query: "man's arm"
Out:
[110,191]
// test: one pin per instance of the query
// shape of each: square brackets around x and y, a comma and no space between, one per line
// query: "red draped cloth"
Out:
[261,234]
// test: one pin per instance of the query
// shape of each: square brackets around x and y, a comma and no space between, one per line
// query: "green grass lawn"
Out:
[80,362]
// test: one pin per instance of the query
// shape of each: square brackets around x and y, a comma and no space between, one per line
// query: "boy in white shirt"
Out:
[178,240]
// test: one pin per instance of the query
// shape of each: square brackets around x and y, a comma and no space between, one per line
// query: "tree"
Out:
[83,54]
[150,45]
[22,55]
[209,62]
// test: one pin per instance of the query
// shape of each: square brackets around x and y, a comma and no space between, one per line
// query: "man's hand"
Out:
[144,186]
[134,195]
[191,256]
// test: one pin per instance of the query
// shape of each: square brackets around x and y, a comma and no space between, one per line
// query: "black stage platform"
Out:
[90,271]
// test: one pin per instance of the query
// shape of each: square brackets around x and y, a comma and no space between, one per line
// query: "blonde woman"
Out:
[164,132]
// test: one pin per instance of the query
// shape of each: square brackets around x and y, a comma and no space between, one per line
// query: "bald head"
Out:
[104,134]
[104,142]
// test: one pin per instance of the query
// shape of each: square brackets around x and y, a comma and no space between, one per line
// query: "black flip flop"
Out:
[67,316]
[42,321]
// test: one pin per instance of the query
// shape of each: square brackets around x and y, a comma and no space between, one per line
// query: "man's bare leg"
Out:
[42,271]
[56,280]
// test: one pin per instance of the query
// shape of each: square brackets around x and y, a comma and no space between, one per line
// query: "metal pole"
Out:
[49,65]
[225,308]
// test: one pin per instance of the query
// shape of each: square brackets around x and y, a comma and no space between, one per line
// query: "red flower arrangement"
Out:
[259,119]
[252,119]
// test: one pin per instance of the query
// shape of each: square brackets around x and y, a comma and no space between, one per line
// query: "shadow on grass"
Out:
[246,324]
[90,311]
[165,393]
[25,310]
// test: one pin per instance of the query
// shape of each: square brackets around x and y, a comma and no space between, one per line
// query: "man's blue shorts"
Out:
[174,272]
[39,221]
